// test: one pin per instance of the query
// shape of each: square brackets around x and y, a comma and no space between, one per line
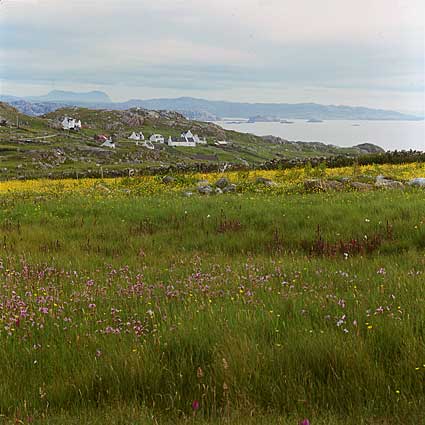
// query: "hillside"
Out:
[14,117]
[38,146]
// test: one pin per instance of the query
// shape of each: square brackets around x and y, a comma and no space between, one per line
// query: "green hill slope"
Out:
[38,146]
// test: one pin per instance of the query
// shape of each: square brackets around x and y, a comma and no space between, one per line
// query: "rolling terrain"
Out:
[37,146]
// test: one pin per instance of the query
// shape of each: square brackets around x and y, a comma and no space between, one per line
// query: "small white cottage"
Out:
[157,138]
[108,144]
[199,141]
[137,136]
[71,124]
[182,141]
[187,135]
[190,137]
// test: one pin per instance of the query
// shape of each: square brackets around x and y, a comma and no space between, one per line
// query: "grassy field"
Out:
[123,302]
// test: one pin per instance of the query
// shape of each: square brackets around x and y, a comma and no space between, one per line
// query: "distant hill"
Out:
[13,116]
[208,110]
[280,110]
[70,97]
[35,108]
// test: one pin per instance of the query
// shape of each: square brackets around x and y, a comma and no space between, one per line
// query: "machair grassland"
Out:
[123,302]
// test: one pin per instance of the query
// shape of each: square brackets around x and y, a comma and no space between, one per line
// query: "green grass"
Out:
[154,302]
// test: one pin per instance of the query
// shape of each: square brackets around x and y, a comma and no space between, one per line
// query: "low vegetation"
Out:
[125,302]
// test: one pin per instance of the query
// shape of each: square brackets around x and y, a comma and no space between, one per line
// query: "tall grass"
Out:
[151,303]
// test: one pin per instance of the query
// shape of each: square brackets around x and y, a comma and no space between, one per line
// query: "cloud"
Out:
[198,45]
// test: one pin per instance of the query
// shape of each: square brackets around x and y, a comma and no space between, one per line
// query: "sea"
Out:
[389,135]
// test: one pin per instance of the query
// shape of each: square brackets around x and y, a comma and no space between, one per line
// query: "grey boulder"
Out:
[205,190]
[230,189]
[265,182]
[317,185]
[222,183]
[168,179]
[383,182]
[418,182]
[362,187]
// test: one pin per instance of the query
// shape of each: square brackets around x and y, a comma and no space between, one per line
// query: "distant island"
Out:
[203,109]
[260,118]
[314,120]
[69,96]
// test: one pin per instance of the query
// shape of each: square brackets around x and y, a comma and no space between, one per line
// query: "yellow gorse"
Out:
[153,184]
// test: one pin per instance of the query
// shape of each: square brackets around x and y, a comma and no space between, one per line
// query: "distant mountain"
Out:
[280,110]
[199,115]
[207,110]
[69,97]
[35,108]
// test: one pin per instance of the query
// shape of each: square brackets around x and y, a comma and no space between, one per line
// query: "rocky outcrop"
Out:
[418,182]
[386,183]
[168,179]
[230,189]
[133,120]
[366,148]
[222,183]
[35,108]
[265,182]
[362,187]
[318,185]
[205,190]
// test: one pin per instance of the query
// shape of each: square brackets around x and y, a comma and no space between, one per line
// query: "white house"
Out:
[189,136]
[221,143]
[157,138]
[108,144]
[71,124]
[199,141]
[137,136]
[182,141]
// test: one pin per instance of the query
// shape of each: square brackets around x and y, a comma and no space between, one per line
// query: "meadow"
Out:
[124,302]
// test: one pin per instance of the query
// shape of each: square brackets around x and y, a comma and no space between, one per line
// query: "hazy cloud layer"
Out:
[267,49]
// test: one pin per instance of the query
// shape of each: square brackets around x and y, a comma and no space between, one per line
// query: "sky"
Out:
[352,52]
